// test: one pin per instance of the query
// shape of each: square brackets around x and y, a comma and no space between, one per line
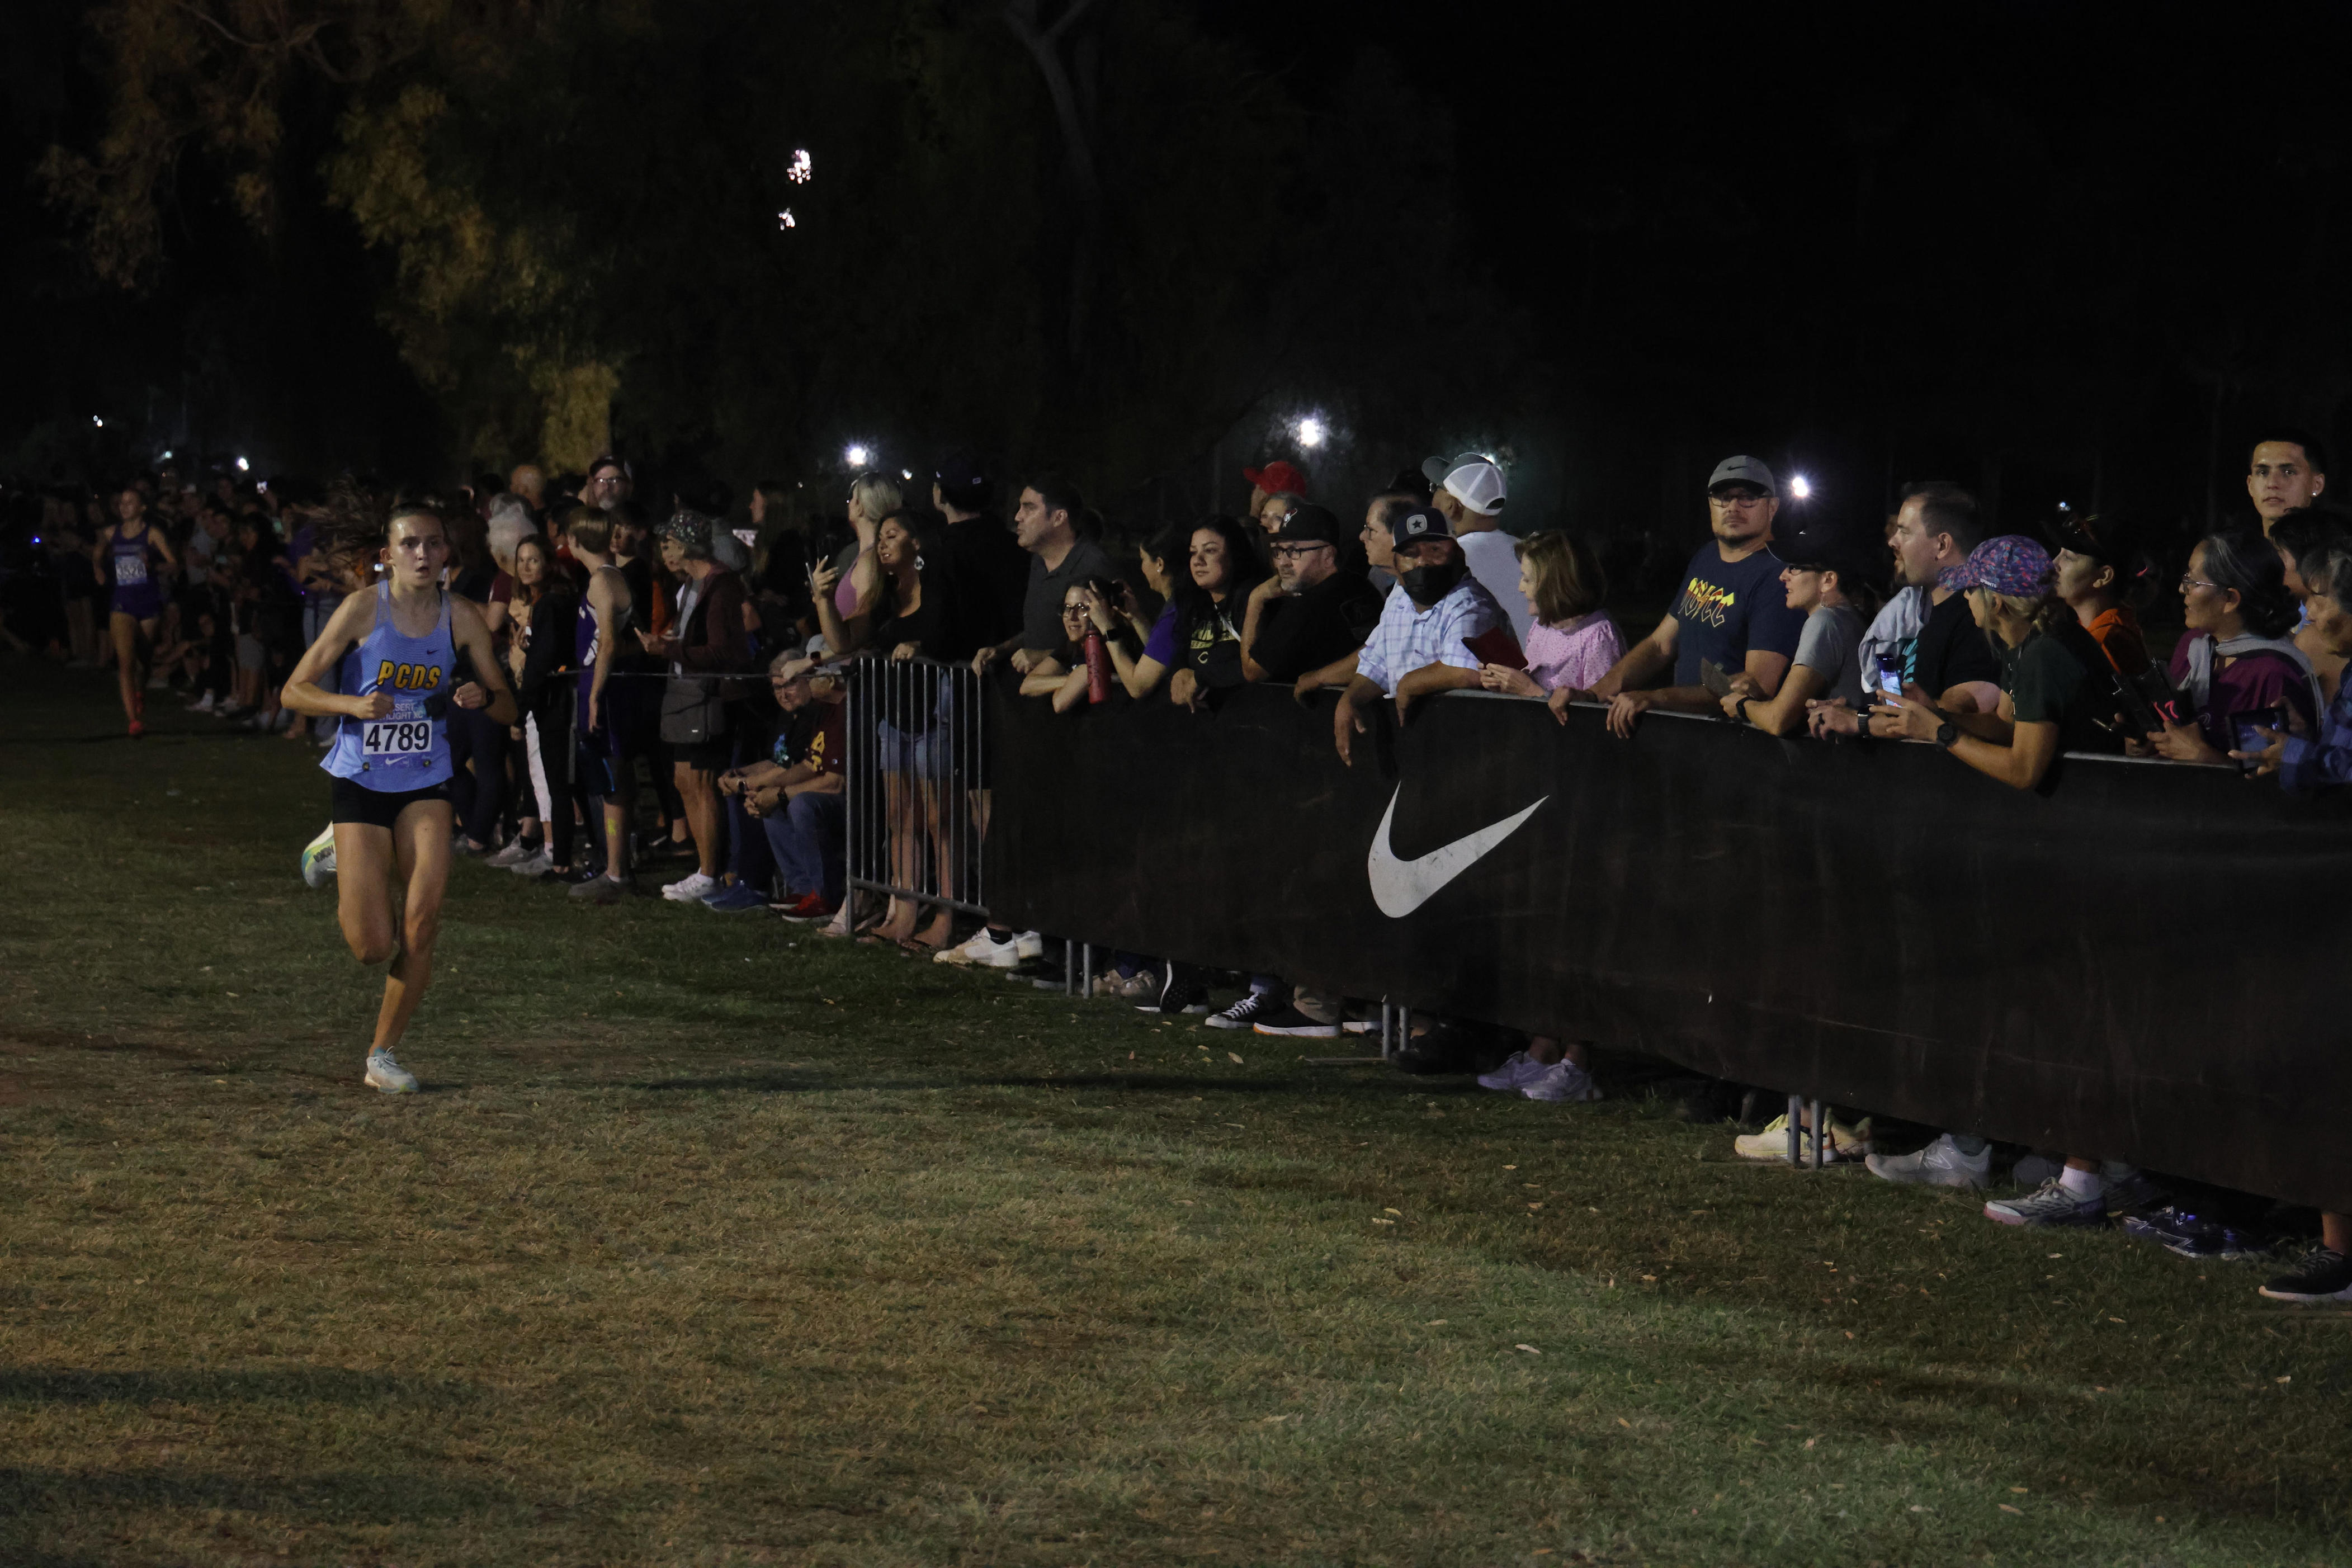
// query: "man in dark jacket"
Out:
[1317,607]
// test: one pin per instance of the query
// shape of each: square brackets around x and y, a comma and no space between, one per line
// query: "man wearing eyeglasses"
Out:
[608,484]
[1733,612]
[1317,607]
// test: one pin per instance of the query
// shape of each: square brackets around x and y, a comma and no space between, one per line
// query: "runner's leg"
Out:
[420,845]
[363,890]
[124,630]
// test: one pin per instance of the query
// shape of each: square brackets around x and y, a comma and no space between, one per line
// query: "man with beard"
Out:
[1433,633]
[1733,613]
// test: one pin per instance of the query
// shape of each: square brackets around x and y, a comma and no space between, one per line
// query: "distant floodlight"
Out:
[1800,487]
[242,466]
[96,421]
[857,456]
[906,473]
[802,167]
[1311,432]
[167,451]
[2061,505]
[784,219]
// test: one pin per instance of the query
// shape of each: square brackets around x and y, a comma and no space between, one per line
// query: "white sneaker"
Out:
[203,704]
[1029,944]
[689,890]
[1518,1070]
[1939,1164]
[385,1073]
[1840,1142]
[1563,1080]
[319,858]
[987,954]
[531,865]
[516,850]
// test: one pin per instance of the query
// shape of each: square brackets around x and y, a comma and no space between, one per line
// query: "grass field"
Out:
[713,1244]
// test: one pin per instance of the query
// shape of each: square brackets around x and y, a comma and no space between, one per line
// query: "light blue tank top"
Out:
[409,748]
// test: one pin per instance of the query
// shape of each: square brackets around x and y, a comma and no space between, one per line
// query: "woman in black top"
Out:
[1210,595]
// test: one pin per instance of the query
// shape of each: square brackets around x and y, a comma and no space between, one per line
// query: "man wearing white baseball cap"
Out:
[1470,491]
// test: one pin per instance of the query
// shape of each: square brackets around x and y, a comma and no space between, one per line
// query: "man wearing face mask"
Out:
[1435,632]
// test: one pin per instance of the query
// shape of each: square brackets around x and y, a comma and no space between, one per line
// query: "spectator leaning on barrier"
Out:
[1470,491]
[1814,579]
[1435,634]
[1142,650]
[1949,659]
[1733,613]
[2285,472]
[1045,524]
[1570,641]
[2235,669]
[1222,567]
[1314,610]
[2104,580]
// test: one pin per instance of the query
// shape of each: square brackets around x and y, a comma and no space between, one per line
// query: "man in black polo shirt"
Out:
[1949,659]
[1317,607]
[991,571]
[1733,612]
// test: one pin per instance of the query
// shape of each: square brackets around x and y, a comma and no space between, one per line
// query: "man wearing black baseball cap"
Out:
[1733,612]
[2098,571]
[1317,607]
[1815,570]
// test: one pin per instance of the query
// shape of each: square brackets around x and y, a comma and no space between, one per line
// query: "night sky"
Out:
[2057,252]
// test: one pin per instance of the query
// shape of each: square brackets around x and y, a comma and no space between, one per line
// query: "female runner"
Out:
[127,552]
[390,764]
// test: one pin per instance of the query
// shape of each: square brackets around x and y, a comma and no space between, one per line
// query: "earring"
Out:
[918,564]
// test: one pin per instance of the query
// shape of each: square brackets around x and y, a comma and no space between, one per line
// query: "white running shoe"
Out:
[203,704]
[688,890]
[319,858]
[516,850]
[531,865]
[388,1074]
[1939,1164]
[1563,1080]
[989,955]
[1518,1070]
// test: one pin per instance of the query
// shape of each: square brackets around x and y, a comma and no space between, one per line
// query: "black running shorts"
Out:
[354,801]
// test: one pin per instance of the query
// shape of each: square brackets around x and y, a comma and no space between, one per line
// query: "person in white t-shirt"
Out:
[1470,492]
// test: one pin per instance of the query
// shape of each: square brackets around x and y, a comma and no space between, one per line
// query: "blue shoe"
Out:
[2186,1233]
[735,899]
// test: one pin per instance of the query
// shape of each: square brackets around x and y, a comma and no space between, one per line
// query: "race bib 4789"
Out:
[396,736]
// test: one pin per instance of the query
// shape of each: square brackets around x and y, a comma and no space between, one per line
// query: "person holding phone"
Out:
[1825,668]
[2238,674]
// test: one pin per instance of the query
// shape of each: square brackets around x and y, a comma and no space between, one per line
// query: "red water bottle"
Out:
[1097,666]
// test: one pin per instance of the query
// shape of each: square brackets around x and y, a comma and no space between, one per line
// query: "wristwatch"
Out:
[1947,732]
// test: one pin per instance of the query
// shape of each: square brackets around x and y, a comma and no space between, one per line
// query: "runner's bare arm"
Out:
[352,621]
[471,633]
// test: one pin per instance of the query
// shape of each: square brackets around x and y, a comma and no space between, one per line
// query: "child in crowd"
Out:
[1571,642]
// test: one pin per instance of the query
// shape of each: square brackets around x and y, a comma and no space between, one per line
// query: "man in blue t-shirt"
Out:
[1730,610]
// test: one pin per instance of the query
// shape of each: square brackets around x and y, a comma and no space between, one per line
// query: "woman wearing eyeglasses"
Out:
[2236,668]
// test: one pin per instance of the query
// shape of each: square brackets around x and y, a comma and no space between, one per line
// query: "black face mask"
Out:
[1427,585]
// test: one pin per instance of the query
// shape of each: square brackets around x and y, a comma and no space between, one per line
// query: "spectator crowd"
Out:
[703,695]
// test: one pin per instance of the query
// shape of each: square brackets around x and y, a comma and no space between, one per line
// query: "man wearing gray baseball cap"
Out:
[1732,612]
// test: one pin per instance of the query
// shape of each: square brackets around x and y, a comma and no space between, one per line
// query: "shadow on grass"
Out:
[750,1083]
[296,1385]
[369,1497]
[1139,1082]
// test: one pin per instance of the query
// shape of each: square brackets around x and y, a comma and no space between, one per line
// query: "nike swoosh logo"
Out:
[1400,887]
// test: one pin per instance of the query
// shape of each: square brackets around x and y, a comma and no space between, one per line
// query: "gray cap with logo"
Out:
[1744,471]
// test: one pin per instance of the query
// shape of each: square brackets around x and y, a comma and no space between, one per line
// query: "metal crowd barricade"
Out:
[915,779]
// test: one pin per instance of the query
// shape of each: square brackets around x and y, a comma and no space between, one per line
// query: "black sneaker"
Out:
[2188,1233]
[1176,995]
[2325,1275]
[1245,1013]
[1288,1020]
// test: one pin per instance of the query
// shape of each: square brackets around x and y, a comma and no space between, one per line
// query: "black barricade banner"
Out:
[2140,962]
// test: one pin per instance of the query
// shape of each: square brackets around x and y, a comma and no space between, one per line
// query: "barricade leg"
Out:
[1796,1130]
[1087,970]
[1817,1135]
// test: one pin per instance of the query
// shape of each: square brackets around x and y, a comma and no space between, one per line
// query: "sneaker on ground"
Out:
[1287,1020]
[203,704]
[739,900]
[2323,1275]
[386,1074]
[2051,1204]
[516,850]
[1175,995]
[2187,1234]
[1518,1070]
[540,859]
[811,907]
[1563,1080]
[689,889]
[1245,1013]
[319,858]
[987,953]
[1939,1164]
[600,890]
[1841,1142]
